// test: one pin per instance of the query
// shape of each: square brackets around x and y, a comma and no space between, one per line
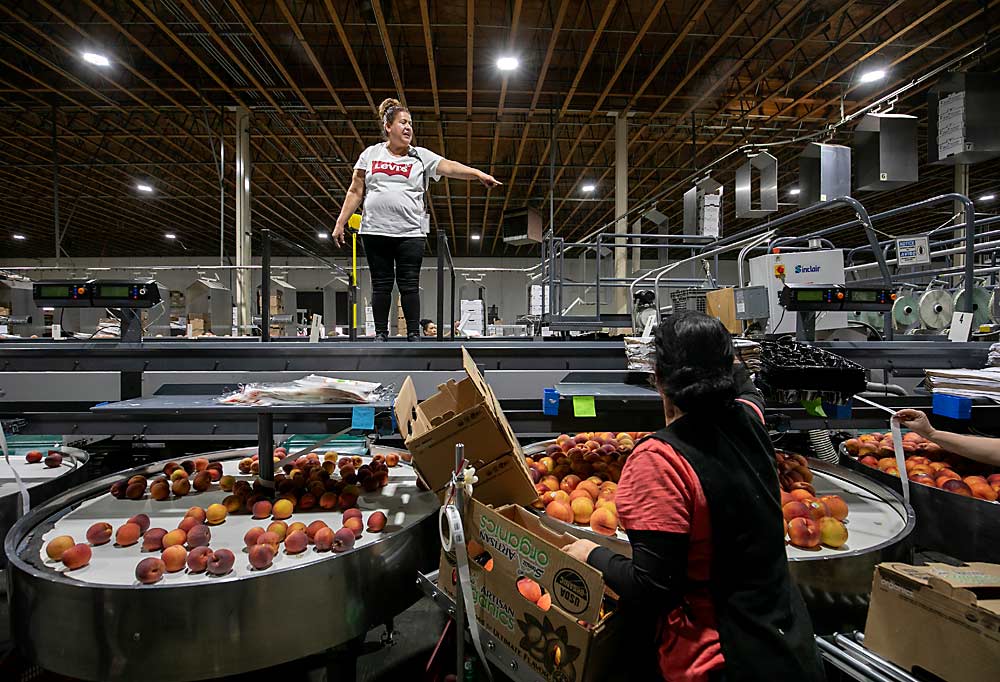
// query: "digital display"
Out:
[50,291]
[864,296]
[113,291]
[809,295]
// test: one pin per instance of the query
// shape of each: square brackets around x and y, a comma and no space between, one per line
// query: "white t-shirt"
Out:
[394,190]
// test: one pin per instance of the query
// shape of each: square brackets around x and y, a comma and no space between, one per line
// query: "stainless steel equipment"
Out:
[248,619]
[18,313]
[210,301]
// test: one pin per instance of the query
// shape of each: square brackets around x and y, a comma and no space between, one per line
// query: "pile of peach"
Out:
[53,459]
[600,454]
[590,502]
[808,521]
[304,484]
[926,463]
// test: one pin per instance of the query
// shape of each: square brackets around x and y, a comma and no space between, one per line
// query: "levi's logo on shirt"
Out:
[391,168]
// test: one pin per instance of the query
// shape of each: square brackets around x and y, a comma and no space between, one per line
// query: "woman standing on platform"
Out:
[706,594]
[396,217]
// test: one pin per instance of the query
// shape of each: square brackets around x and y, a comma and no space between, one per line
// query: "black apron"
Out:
[764,628]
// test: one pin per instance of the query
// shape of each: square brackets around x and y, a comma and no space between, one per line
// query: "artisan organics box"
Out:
[571,640]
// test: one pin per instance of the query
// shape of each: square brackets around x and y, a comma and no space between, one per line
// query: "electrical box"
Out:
[751,303]
[773,270]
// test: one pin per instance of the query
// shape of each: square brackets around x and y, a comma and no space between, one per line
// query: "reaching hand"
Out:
[580,549]
[338,235]
[915,420]
[489,180]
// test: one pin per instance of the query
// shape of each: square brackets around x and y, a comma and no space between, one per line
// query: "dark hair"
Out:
[694,362]
[387,111]
[424,322]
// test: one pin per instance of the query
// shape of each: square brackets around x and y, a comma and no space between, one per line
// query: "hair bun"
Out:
[386,104]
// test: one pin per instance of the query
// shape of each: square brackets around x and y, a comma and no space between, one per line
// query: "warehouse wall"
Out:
[507,289]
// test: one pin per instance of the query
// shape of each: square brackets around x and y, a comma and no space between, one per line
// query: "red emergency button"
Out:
[80,290]
[779,270]
[840,295]
[892,297]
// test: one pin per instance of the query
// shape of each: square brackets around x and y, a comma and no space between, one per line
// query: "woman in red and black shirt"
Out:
[707,594]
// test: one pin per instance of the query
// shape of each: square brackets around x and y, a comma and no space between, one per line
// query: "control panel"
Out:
[97,293]
[835,297]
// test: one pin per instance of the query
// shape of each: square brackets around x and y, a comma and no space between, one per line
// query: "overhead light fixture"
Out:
[474,237]
[589,187]
[987,197]
[323,235]
[96,59]
[19,237]
[170,235]
[508,63]
[872,76]
[794,191]
[142,187]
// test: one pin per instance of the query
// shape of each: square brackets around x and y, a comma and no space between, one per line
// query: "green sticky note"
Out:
[814,408]
[583,406]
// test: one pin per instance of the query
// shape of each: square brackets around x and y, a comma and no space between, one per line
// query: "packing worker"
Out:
[979,448]
[392,178]
[706,594]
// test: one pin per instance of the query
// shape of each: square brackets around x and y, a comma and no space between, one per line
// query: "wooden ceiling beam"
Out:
[346,44]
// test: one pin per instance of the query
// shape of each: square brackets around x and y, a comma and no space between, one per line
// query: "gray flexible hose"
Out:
[822,446]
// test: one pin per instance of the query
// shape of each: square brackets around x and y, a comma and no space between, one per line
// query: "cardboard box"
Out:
[551,642]
[721,304]
[464,412]
[943,619]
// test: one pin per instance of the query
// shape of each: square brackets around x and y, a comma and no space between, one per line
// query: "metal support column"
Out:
[265,286]
[244,276]
[621,208]
[961,187]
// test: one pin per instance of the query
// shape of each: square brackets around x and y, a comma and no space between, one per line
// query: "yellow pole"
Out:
[354,274]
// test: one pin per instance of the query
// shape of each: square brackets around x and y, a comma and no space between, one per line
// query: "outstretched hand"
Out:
[915,420]
[489,180]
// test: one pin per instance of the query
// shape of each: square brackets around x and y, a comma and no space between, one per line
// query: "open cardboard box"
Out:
[571,641]
[940,618]
[464,412]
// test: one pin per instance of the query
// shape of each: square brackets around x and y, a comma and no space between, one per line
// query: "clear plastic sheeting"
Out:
[310,390]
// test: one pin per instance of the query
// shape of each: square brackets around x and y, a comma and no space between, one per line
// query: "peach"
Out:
[351,513]
[323,539]
[391,460]
[298,525]
[922,479]
[270,538]
[152,539]
[187,523]
[556,495]
[174,537]
[343,540]
[869,461]
[188,466]
[117,490]
[606,504]
[202,481]
[356,525]
[328,501]
[127,534]
[197,559]
[282,509]
[181,486]
[196,513]
[544,602]
[803,532]
[578,493]
[76,556]
[279,528]
[590,488]
[529,589]
[582,507]
[550,482]
[604,521]
[150,570]
[177,474]
[296,542]
[836,506]
[970,480]
[947,473]
[33,457]
[252,535]
[261,556]
[348,497]
[200,464]
[560,510]
[216,514]
[817,510]
[53,460]
[174,558]
[261,509]
[312,529]
[159,490]
[57,546]
[220,562]
[226,483]
[569,483]
[801,495]
[99,533]
[794,510]
[832,532]
[376,522]
[983,491]
[199,536]
[135,491]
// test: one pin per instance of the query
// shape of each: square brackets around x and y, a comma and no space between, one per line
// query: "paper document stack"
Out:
[970,383]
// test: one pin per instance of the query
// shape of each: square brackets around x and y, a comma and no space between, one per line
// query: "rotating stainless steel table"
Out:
[105,626]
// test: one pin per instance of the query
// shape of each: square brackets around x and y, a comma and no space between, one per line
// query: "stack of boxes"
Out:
[951,125]
[710,214]
[473,317]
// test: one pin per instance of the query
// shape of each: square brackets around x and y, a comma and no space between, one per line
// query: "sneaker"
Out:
[381,338]
[412,338]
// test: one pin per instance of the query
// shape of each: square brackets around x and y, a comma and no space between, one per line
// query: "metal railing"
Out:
[443,255]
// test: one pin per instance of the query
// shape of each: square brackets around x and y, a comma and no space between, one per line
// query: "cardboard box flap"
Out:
[521,546]
[411,420]
[974,584]
[491,400]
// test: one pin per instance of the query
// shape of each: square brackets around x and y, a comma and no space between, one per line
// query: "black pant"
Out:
[395,259]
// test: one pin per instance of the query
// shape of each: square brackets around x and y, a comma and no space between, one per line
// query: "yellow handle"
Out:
[354,276]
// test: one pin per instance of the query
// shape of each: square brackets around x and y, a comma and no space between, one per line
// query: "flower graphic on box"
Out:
[548,645]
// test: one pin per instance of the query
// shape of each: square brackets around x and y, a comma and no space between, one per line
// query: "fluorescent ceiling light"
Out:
[170,235]
[142,187]
[589,187]
[987,197]
[96,59]
[794,191]
[508,63]
[872,76]
[474,237]
[323,235]
[20,237]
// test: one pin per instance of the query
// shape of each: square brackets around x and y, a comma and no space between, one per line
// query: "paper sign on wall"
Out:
[913,250]
[583,406]
[961,327]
